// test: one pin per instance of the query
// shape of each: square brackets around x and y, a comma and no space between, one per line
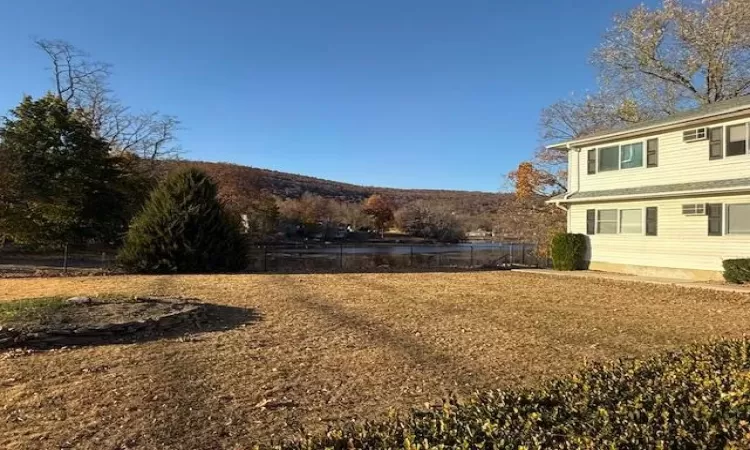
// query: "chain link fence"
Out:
[300,258]
[396,257]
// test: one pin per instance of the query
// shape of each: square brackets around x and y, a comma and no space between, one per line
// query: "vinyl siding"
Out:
[682,241]
[679,162]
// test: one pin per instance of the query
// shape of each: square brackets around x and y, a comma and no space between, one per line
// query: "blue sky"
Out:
[402,93]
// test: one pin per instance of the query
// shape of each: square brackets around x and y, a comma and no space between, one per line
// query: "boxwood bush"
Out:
[737,270]
[698,398]
[568,251]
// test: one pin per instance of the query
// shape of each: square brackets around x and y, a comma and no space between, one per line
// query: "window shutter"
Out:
[651,221]
[716,144]
[592,161]
[714,219]
[590,221]
[652,153]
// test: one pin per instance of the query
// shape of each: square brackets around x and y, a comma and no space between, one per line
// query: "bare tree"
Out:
[698,53]
[84,85]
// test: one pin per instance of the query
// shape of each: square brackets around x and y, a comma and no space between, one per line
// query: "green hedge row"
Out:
[698,398]
[737,270]
[568,251]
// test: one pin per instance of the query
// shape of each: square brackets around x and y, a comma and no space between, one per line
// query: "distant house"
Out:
[668,197]
[479,234]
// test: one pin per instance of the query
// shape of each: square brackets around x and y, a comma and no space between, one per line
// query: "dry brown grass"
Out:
[330,348]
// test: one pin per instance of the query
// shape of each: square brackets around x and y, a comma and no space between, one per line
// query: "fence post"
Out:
[341,257]
[104,260]
[65,258]
[523,254]
[471,261]
[265,259]
[411,255]
[510,259]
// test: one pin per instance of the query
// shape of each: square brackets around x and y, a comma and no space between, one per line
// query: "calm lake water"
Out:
[404,249]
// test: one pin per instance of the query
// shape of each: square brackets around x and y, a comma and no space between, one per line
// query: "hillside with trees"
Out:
[312,200]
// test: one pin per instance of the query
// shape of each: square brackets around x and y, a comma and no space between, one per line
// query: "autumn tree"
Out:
[653,63]
[430,220]
[381,210]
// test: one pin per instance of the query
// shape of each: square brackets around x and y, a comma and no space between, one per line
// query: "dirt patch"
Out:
[59,322]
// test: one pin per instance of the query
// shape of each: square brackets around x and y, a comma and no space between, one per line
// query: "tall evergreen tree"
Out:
[184,228]
[58,182]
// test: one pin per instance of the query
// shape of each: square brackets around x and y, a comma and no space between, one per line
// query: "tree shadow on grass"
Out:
[212,318]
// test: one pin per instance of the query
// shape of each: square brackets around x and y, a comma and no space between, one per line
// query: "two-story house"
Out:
[669,197]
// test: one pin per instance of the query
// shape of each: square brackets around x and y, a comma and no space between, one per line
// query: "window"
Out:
[697,209]
[737,140]
[606,221]
[651,220]
[609,158]
[738,219]
[631,155]
[631,221]
[714,211]
[591,161]
[652,153]
[697,134]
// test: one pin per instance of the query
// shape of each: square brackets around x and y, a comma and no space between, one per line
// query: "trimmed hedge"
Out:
[568,251]
[737,270]
[698,398]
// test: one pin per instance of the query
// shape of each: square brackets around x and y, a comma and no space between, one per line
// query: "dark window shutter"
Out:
[652,221]
[652,153]
[715,143]
[714,211]
[590,221]
[592,161]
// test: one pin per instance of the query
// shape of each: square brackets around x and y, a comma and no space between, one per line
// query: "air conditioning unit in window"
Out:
[696,209]
[697,134]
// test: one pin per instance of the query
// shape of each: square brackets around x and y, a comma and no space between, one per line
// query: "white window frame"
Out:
[644,156]
[725,220]
[619,221]
[616,221]
[725,140]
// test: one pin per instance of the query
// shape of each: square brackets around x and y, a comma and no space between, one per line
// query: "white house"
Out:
[669,197]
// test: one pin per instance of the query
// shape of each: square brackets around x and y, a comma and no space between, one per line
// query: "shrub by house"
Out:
[568,251]
[183,228]
[737,270]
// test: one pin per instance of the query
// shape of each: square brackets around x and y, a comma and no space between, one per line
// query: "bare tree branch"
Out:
[84,85]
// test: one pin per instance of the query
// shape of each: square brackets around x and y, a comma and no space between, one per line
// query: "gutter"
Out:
[657,195]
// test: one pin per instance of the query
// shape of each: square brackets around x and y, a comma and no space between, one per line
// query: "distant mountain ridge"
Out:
[237,180]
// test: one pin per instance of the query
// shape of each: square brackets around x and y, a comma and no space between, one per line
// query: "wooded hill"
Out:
[236,181]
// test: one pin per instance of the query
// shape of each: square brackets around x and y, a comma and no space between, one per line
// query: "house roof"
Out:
[663,190]
[703,113]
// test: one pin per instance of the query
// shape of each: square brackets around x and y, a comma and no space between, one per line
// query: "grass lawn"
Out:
[329,348]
